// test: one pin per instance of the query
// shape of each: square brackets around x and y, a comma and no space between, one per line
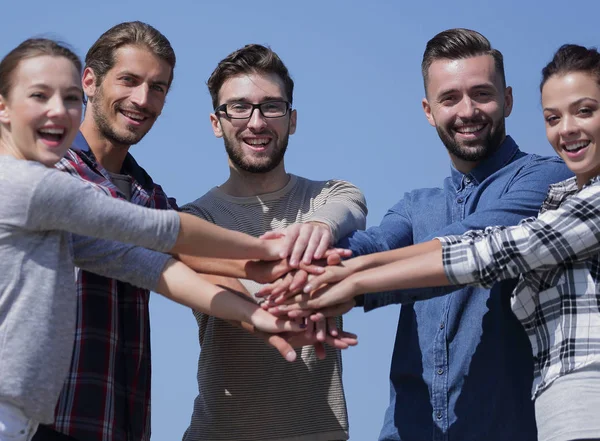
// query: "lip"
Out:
[53,144]
[131,121]
[257,147]
[577,154]
[471,135]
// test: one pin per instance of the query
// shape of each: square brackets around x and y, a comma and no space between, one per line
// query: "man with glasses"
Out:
[246,391]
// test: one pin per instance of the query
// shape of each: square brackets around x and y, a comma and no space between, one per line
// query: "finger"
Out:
[334,259]
[332,326]
[300,245]
[309,331]
[266,290]
[312,268]
[284,287]
[291,234]
[311,246]
[343,252]
[323,245]
[320,330]
[278,342]
[298,281]
[304,313]
[320,350]
[273,234]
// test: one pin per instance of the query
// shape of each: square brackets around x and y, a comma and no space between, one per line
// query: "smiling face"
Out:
[256,144]
[571,104]
[467,104]
[130,97]
[42,113]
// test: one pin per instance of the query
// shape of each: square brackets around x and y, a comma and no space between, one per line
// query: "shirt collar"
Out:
[488,166]
[130,166]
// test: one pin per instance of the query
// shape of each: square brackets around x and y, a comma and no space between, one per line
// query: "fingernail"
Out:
[282,307]
[307,289]
[290,356]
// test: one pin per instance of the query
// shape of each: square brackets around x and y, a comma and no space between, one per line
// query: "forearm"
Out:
[417,271]
[370,261]
[219,267]
[182,285]
[201,238]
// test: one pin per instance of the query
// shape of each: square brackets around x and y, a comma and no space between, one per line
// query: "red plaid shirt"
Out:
[106,396]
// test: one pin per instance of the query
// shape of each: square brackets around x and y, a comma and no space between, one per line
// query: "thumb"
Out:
[283,347]
[275,234]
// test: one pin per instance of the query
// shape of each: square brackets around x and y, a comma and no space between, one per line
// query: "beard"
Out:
[130,137]
[262,164]
[478,150]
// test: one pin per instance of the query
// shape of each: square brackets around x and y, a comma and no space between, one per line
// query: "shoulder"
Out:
[204,205]
[327,186]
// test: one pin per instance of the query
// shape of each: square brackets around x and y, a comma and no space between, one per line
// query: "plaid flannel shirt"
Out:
[106,396]
[557,259]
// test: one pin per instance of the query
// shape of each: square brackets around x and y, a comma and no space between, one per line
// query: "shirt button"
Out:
[440,371]
[438,415]
[442,325]
[467,179]
[460,200]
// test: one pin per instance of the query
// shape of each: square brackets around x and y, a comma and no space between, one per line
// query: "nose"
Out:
[56,106]
[466,108]
[568,126]
[139,95]
[256,122]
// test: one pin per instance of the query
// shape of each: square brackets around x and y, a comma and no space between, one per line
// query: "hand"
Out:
[339,295]
[286,342]
[266,272]
[330,275]
[263,321]
[303,241]
[294,282]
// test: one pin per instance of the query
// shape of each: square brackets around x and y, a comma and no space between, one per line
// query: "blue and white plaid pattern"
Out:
[557,259]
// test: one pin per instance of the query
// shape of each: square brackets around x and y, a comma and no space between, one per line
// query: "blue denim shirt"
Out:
[462,366]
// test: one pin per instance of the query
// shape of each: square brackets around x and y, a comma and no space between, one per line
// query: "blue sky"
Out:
[358,93]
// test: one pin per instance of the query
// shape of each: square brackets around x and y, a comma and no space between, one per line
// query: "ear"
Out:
[88,82]
[427,110]
[293,119]
[215,123]
[4,113]
[508,101]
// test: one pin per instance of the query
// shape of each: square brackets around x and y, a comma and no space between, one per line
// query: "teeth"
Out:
[469,129]
[257,141]
[133,116]
[576,146]
[52,131]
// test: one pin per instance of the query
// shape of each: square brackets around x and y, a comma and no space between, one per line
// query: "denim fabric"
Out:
[462,366]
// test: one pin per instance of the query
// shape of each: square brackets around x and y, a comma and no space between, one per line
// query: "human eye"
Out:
[238,107]
[448,100]
[551,119]
[158,88]
[585,111]
[38,96]
[127,79]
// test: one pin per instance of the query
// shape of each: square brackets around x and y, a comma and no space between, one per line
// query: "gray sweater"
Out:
[41,207]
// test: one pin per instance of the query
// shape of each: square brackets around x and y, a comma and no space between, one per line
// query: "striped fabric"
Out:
[247,391]
[557,256]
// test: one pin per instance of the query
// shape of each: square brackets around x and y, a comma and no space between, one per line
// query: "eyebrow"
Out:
[246,100]
[477,86]
[46,86]
[574,103]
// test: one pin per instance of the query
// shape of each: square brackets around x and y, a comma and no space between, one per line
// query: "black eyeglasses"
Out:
[241,110]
